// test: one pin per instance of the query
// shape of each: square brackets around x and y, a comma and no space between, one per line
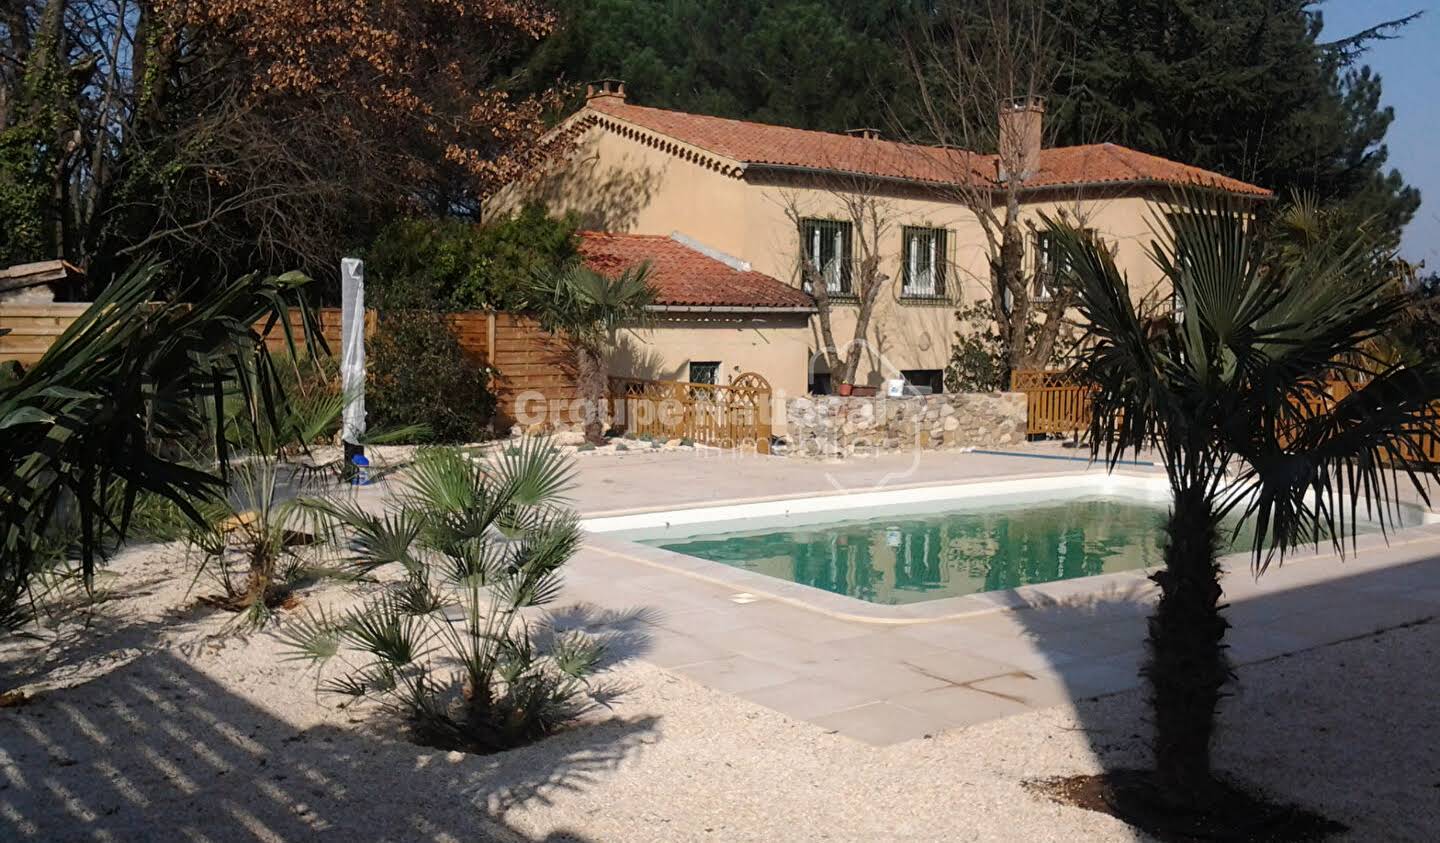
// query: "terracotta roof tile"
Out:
[764,144]
[685,277]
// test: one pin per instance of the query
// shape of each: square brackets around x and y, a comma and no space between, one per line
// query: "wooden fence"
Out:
[532,371]
[33,327]
[736,415]
[1054,403]
[525,361]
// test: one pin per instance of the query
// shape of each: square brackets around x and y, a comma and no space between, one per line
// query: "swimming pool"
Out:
[898,547]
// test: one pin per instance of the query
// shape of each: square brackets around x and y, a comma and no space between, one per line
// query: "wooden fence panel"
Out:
[33,327]
[1057,410]
[1054,403]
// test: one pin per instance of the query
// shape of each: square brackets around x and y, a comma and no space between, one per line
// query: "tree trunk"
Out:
[1187,666]
[1042,348]
[257,579]
[872,283]
[590,373]
[1010,278]
[827,333]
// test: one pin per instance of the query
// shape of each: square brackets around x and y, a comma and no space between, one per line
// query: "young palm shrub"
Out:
[454,646]
[277,540]
[280,538]
[1232,395]
[588,309]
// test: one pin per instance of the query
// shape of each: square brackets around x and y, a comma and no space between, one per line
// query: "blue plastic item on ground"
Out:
[361,475]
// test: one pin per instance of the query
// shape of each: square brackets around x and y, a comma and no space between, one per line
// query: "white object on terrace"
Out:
[352,348]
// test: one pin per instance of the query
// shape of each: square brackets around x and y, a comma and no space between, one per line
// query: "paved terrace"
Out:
[886,680]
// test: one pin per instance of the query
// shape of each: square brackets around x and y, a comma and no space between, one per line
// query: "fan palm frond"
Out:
[534,474]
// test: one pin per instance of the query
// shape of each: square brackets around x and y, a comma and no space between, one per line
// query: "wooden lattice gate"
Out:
[734,415]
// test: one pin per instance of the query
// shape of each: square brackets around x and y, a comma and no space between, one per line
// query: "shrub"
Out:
[453,265]
[449,648]
[977,355]
[419,374]
[276,539]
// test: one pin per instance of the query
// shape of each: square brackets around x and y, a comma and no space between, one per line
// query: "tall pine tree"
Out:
[1244,87]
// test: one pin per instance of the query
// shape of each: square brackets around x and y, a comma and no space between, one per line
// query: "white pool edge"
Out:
[1148,485]
[1126,586]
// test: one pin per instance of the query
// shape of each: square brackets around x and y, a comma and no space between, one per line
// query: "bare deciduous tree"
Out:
[854,277]
[983,69]
[263,132]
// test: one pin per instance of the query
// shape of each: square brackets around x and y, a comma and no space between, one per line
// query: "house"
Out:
[714,317]
[768,201]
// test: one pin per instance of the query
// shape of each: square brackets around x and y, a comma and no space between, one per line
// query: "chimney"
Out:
[867,134]
[1022,123]
[605,88]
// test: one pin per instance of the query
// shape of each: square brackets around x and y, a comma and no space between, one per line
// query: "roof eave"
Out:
[996,190]
[728,308]
[721,162]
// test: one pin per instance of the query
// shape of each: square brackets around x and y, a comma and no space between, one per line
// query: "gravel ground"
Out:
[151,724]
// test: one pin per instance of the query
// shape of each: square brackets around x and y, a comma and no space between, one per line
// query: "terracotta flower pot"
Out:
[863,391]
[845,389]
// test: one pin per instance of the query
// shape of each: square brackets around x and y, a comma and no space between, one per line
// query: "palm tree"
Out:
[126,403]
[588,308]
[1231,390]
[454,647]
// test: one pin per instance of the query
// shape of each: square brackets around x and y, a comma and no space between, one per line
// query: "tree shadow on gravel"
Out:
[1095,645]
[157,750]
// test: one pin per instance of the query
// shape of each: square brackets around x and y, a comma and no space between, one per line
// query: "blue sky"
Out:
[1409,67]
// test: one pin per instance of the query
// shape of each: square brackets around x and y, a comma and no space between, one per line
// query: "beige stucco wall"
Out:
[617,183]
[773,345]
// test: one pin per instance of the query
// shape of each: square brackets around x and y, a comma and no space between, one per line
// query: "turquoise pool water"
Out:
[909,558]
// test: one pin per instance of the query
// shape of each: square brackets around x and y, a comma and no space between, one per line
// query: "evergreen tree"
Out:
[1244,87]
[815,64]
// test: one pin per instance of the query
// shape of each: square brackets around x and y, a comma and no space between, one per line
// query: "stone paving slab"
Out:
[883,723]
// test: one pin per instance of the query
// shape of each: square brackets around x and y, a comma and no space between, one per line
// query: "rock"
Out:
[569,437]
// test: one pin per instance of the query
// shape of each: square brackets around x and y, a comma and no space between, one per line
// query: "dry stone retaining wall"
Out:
[834,426]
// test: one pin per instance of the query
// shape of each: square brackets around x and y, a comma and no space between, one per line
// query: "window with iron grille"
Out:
[826,253]
[922,262]
[1049,264]
[707,372]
